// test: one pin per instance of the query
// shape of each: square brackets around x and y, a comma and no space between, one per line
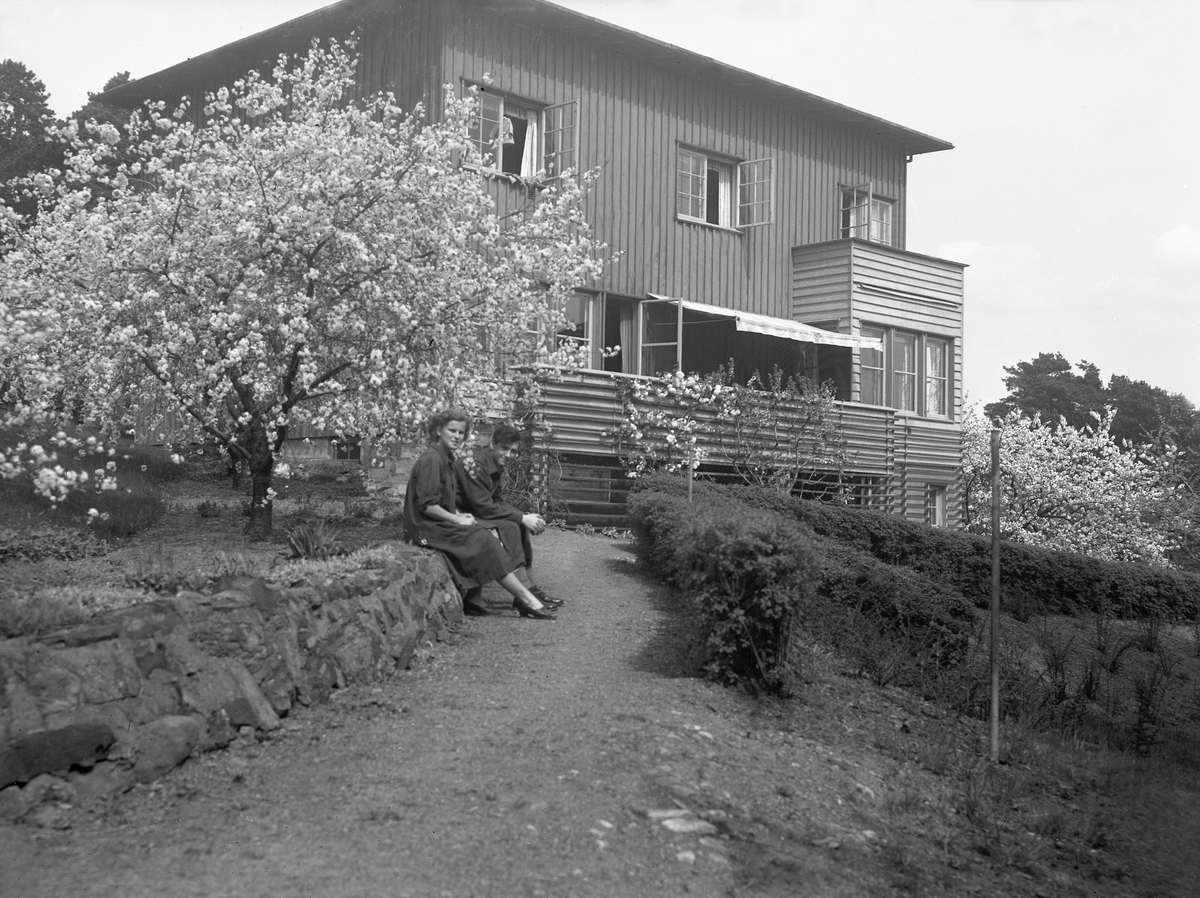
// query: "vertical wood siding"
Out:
[634,113]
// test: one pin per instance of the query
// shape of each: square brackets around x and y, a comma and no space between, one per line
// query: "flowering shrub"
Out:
[774,434]
[286,254]
[1069,489]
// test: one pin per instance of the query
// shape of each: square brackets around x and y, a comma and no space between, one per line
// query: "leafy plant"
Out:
[38,543]
[314,542]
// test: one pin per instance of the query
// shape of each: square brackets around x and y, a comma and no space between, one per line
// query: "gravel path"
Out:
[520,760]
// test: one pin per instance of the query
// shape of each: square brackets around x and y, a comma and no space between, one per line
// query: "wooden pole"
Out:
[691,450]
[995,653]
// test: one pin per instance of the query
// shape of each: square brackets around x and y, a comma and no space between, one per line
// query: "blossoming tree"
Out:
[288,253]
[1071,489]
[780,434]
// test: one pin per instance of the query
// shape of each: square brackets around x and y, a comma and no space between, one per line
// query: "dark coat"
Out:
[481,492]
[474,554]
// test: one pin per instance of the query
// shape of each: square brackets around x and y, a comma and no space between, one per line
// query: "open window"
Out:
[699,338]
[520,137]
[723,192]
[865,215]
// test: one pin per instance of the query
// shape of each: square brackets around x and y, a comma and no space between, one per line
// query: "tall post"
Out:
[691,473]
[995,654]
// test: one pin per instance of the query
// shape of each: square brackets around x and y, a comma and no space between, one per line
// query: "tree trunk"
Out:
[261,462]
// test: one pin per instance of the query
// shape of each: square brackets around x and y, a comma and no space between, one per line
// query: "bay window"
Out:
[911,373]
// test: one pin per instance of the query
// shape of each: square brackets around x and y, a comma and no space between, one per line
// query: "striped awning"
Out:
[778,327]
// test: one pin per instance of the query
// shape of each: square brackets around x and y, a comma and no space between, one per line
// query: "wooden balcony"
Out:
[893,456]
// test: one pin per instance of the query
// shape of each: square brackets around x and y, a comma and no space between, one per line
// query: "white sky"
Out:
[1072,190]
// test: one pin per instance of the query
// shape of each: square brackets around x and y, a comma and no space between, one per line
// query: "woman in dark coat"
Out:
[431,519]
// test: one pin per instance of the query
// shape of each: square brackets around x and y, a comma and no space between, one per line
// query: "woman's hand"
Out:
[464,520]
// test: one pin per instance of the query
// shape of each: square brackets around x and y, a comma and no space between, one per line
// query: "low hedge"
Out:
[749,572]
[1033,580]
[755,574]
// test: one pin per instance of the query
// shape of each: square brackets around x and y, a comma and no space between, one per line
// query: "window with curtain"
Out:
[519,137]
[936,379]
[911,373]
[904,372]
[871,371]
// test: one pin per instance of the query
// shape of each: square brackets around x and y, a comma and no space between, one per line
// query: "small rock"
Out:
[48,816]
[865,791]
[164,744]
[104,780]
[46,788]
[686,857]
[689,825]
[12,803]
[667,813]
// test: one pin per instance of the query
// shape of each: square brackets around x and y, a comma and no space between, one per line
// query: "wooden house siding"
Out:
[634,114]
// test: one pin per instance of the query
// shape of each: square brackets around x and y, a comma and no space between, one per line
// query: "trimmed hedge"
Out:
[755,574]
[749,572]
[1033,580]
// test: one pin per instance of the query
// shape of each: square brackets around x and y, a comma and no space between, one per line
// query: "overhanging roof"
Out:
[336,20]
[778,327]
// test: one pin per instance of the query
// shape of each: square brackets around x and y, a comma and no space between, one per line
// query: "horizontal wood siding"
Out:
[579,408]
[902,454]
[634,113]
[821,283]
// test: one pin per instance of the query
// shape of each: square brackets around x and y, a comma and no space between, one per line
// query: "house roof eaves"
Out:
[169,83]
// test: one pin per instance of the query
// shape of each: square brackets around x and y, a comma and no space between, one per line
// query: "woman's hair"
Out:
[438,420]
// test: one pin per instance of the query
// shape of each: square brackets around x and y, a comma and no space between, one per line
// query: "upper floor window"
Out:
[865,215]
[723,192]
[911,373]
[520,137]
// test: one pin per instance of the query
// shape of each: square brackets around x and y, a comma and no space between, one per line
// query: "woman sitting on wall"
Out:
[431,519]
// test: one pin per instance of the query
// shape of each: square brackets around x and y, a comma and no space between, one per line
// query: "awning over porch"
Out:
[777,327]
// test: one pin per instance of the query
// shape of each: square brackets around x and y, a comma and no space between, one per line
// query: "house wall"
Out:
[634,111]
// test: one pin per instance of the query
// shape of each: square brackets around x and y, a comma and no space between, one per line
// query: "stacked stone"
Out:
[125,697]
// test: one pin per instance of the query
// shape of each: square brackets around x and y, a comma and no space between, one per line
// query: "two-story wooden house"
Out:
[756,222]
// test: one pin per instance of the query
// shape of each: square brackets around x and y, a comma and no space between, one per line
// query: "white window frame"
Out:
[551,142]
[936,386]
[643,345]
[879,396]
[935,504]
[747,195]
[863,214]
[919,380]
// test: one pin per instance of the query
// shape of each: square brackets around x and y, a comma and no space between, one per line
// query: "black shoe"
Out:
[541,595]
[471,609]
[538,613]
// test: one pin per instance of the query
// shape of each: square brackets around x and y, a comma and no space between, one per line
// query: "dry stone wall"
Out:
[125,697]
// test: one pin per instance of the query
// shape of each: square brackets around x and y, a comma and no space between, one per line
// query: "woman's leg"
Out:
[518,590]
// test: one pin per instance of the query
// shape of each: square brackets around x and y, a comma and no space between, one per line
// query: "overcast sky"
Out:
[1071,192]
